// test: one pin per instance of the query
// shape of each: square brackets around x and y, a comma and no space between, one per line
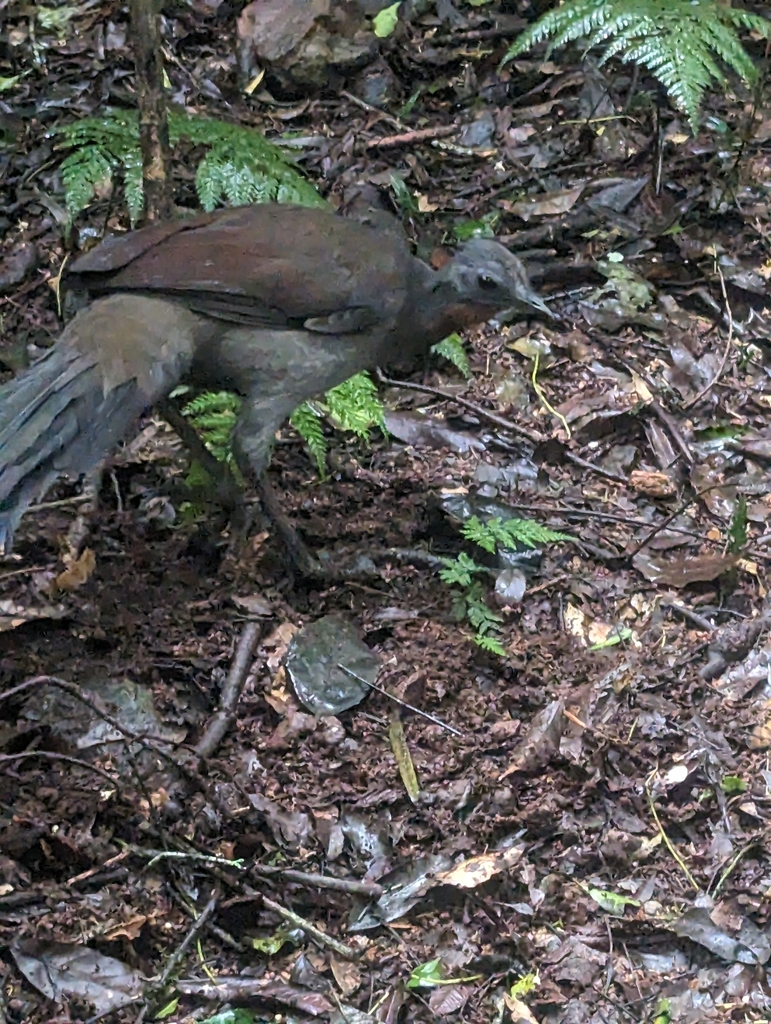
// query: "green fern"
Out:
[352,405]
[307,422]
[509,533]
[460,572]
[241,166]
[213,414]
[355,406]
[101,146]
[679,41]
[451,348]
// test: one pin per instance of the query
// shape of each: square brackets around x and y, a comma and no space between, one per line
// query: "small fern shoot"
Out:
[679,41]
[451,349]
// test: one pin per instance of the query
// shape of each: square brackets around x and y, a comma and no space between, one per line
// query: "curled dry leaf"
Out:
[681,572]
[77,572]
[657,485]
[541,741]
[477,870]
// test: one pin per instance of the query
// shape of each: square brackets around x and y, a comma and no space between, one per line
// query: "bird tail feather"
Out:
[56,421]
[63,415]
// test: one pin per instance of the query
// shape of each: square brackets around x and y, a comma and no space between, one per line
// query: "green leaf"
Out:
[237,1016]
[307,422]
[426,975]
[733,784]
[511,533]
[271,944]
[385,21]
[354,405]
[483,228]
[490,644]
[214,414]
[404,198]
[55,19]
[526,984]
[615,637]
[459,570]
[239,166]
[611,901]
[168,1009]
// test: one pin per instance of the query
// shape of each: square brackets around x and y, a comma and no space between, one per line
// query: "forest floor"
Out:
[586,840]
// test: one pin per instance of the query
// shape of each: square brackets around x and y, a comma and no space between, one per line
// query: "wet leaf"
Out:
[313,659]
[682,571]
[62,971]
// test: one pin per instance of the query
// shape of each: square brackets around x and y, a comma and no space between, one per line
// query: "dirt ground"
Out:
[584,838]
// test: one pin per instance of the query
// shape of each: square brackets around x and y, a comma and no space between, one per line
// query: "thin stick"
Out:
[231,691]
[198,924]
[315,933]
[726,351]
[404,704]
[478,410]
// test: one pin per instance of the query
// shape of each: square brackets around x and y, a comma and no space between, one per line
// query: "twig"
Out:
[85,875]
[668,420]
[726,351]
[74,691]
[315,933]
[690,615]
[95,706]
[183,855]
[404,704]
[381,114]
[21,572]
[198,924]
[49,755]
[231,691]
[586,464]
[411,137]
[678,511]
[478,410]
[667,841]
[371,890]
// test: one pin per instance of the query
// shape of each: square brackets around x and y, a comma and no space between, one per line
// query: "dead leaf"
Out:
[477,870]
[682,571]
[78,571]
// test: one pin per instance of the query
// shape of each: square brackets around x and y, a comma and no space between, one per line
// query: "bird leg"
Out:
[229,493]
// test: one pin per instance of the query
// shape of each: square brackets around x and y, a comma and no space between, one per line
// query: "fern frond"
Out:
[240,166]
[491,644]
[355,406]
[679,41]
[213,414]
[307,423]
[451,348]
[509,533]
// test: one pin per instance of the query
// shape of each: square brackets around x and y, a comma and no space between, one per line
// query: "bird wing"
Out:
[267,265]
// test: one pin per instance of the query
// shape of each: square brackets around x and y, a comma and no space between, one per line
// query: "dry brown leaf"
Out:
[78,571]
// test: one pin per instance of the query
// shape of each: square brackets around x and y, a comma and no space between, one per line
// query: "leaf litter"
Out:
[596,821]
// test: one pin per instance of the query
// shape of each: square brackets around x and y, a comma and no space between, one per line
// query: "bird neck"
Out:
[441,310]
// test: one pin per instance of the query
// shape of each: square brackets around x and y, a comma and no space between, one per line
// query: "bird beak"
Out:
[530,298]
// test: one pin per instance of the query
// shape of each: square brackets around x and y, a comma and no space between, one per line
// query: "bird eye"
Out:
[487,283]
